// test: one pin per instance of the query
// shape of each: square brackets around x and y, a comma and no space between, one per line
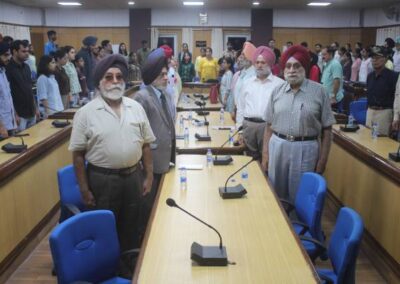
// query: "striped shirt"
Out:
[304,113]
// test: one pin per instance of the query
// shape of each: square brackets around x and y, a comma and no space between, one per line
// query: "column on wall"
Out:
[187,36]
[217,42]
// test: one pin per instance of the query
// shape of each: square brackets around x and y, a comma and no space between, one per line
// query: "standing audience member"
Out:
[355,67]
[50,46]
[198,61]
[106,45]
[70,70]
[32,62]
[19,76]
[9,40]
[80,67]
[332,78]
[335,46]
[185,49]
[230,104]
[8,117]
[61,76]
[381,87]
[186,68]
[347,63]
[209,67]
[48,92]
[317,49]
[134,73]
[271,44]
[396,56]
[110,137]
[229,52]
[123,51]
[226,81]
[366,65]
[298,134]
[396,108]
[315,71]
[86,52]
[142,53]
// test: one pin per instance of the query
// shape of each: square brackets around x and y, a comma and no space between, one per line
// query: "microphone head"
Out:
[170,202]
[240,128]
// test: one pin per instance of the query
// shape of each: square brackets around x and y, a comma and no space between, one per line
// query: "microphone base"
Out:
[222,160]
[208,255]
[201,137]
[204,122]
[202,112]
[60,124]
[232,192]
[11,148]
[349,128]
[394,157]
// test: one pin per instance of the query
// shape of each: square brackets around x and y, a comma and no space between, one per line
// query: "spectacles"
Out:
[110,77]
[295,66]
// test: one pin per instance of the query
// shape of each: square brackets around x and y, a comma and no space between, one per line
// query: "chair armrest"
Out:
[304,225]
[287,205]
[326,279]
[130,252]
[321,248]
[73,209]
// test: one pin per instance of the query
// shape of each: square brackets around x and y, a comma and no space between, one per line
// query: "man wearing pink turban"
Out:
[299,120]
[253,101]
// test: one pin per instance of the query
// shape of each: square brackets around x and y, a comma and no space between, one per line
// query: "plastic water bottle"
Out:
[222,116]
[209,159]
[231,137]
[245,175]
[183,179]
[186,135]
[91,95]
[374,130]
[351,120]
[190,115]
[181,124]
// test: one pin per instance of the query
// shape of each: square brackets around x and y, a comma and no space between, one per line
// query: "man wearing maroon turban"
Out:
[299,120]
[253,101]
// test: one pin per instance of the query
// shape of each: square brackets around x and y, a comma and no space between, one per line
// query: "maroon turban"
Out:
[298,52]
[267,53]
[167,51]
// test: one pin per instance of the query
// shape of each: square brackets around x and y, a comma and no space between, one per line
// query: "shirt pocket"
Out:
[136,131]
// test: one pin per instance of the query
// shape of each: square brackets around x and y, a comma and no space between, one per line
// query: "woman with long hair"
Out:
[72,75]
[186,68]
[226,81]
[355,67]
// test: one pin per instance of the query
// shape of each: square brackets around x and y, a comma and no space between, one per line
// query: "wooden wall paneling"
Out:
[200,35]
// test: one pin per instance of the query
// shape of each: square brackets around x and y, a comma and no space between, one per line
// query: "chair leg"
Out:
[53,271]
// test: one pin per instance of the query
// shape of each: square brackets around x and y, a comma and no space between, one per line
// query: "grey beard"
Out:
[294,80]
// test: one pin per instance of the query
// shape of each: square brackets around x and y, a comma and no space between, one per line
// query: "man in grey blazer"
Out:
[156,104]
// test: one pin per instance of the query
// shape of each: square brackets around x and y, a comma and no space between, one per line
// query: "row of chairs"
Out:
[90,237]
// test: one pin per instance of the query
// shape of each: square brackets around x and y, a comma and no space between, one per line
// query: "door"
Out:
[201,38]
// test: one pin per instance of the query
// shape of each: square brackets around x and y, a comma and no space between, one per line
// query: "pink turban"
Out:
[248,50]
[298,52]
[267,53]
[167,51]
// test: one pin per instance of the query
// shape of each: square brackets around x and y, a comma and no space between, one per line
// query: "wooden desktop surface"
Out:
[218,137]
[185,104]
[254,229]
[65,114]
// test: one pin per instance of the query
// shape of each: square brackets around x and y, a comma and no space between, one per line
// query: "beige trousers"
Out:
[384,119]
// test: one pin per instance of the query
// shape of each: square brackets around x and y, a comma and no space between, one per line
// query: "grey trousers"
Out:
[253,136]
[287,162]
[122,195]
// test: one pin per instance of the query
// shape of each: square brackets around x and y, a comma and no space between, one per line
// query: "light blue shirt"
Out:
[49,47]
[47,89]
[7,112]
[333,70]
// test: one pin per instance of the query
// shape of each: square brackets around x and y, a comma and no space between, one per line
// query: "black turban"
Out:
[4,47]
[113,60]
[154,64]
[89,40]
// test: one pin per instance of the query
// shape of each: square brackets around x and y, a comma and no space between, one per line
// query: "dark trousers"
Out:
[122,195]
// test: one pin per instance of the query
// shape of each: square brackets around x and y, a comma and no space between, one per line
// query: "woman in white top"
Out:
[70,69]
[225,87]
[366,65]
[48,93]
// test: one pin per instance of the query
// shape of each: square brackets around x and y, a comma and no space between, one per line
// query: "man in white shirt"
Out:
[366,65]
[252,104]
[396,56]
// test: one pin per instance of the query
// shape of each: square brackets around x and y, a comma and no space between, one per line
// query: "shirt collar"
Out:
[270,78]
[156,91]
[302,87]
[100,103]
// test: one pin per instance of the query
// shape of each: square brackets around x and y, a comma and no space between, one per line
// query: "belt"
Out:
[254,119]
[379,107]
[122,172]
[292,138]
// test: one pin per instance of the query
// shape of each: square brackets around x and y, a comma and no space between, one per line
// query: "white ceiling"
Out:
[120,4]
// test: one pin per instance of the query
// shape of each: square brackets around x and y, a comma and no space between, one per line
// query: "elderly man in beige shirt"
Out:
[112,133]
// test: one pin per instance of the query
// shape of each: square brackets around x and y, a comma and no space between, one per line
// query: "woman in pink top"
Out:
[355,67]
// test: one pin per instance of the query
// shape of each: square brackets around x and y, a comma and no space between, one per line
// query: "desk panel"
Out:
[65,114]
[186,104]
[255,231]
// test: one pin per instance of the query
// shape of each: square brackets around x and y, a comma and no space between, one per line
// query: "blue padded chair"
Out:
[358,109]
[343,247]
[70,196]
[85,248]
[308,206]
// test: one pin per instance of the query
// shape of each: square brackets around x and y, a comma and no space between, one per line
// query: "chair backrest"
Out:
[358,109]
[344,244]
[309,202]
[68,187]
[85,247]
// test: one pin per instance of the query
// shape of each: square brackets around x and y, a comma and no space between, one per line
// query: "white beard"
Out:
[113,93]
[264,72]
[295,80]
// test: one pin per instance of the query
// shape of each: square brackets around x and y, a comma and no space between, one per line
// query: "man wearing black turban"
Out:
[86,52]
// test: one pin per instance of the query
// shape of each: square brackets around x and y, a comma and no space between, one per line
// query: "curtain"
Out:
[16,32]
[154,38]
[383,33]
[187,36]
[217,42]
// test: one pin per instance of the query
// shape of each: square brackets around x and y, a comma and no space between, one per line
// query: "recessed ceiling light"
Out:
[131,3]
[193,3]
[256,3]
[69,3]
[320,4]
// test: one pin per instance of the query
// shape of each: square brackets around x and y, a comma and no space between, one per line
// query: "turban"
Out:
[4,47]
[267,53]
[167,51]
[154,64]
[298,52]
[113,60]
[89,40]
[248,50]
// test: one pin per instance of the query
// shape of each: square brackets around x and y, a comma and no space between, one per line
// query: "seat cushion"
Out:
[328,273]
[117,280]
[309,246]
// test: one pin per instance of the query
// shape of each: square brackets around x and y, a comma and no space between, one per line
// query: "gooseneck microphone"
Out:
[57,123]
[205,255]
[395,156]
[202,137]
[200,104]
[230,192]
[16,148]
[227,159]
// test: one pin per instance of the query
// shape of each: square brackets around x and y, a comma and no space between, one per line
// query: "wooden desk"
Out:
[254,229]
[65,114]
[185,104]
[28,186]
[218,137]
[360,175]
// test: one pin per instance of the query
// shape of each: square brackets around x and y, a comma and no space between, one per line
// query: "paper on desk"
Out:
[222,127]
[191,166]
